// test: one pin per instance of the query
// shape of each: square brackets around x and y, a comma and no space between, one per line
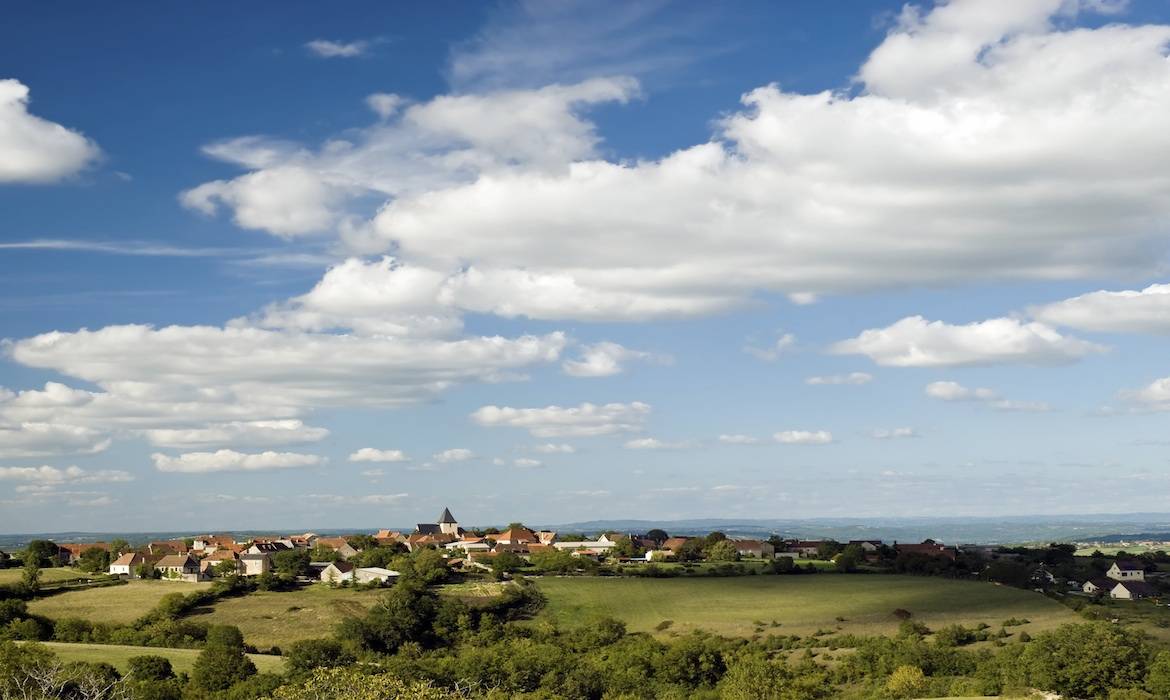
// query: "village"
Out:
[363,558]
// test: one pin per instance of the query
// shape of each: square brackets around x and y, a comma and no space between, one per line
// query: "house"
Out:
[370,574]
[659,555]
[337,544]
[674,544]
[163,547]
[337,572]
[516,535]
[211,543]
[178,567]
[1126,570]
[755,549]
[1098,586]
[867,546]
[600,546]
[127,565]
[447,525]
[255,564]
[71,553]
[806,548]
[267,548]
[469,544]
[212,561]
[546,536]
[928,547]
[386,537]
[1132,590]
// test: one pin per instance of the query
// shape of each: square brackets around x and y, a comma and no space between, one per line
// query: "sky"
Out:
[562,261]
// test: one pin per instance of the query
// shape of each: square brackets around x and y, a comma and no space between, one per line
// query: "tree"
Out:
[829,549]
[31,579]
[94,560]
[43,552]
[714,537]
[323,553]
[850,557]
[150,668]
[222,662]
[292,562]
[691,550]
[906,682]
[657,535]
[723,550]
[146,570]
[227,567]
[119,546]
[1083,660]
[308,654]
[1158,677]
[506,563]
[628,548]
[354,684]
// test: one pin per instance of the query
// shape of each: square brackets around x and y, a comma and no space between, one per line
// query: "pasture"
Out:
[800,605]
[48,575]
[268,618]
[119,604]
[182,660]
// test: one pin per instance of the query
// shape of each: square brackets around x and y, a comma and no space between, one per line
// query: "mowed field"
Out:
[270,619]
[118,604]
[800,604]
[118,655]
[47,575]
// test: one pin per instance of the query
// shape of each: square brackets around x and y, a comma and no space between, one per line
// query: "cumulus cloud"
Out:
[892,433]
[262,433]
[52,476]
[916,342]
[586,420]
[854,378]
[456,454]
[554,448]
[326,48]
[603,359]
[37,150]
[1144,311]
[1155,396]
[804,437]
[738,439]
[953,391]
[771,353]
[656,444]
[232,461]
[36,439]
[372,454]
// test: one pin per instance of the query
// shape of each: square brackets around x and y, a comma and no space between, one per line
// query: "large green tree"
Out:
[222,663]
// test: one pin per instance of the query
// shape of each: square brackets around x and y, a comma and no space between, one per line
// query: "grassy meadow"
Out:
[800,604]
[118,655]
[48,575]
[270,619]
[111,603]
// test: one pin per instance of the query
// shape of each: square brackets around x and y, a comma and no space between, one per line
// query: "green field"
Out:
[118,604]
[47,575]
[801,604]
[181,659]
[270,619]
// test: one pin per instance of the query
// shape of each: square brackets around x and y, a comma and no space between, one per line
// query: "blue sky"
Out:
[565,261]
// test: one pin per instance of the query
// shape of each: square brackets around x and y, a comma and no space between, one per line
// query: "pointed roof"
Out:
[446,517]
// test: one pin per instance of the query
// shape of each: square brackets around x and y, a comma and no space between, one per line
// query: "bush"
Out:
[906,682]
[309,654]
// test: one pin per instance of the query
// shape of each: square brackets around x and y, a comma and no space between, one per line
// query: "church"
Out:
[447,525]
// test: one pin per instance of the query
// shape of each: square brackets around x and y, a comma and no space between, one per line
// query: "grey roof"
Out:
[447,518]
[253,557]
[1138,588]
[428,529]
[1129,565]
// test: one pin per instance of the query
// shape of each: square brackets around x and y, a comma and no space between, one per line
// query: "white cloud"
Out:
[854,378]
[262,433]
[738,439]
[372,454]
[287,201]
[585,420]
[373,474]
[804,437]
[37,150]
[553,448]
[527,463]
[326,48]
[916,342]
[52,476]
[1145,311]
[1155,396]
[892,433]
[783,344]
[656,444]
[39,439]
[369,499]
[232,461]
[602,359]
[456,454]
[385,104]
[953,391]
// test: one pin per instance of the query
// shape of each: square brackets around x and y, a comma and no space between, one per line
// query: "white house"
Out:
[1126,571]
[337,572]
[602,544]
[375,573]
[1132,590]
[127,565]
[255,564]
